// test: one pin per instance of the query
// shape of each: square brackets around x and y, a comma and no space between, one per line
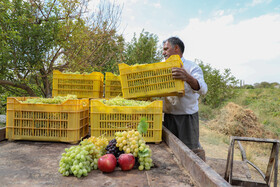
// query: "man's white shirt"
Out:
[187,104]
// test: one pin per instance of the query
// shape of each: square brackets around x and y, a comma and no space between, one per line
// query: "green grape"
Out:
[141,167]
[147,164]
[76,73]
[118,101]
[141,148]
[147,167]
[55,100]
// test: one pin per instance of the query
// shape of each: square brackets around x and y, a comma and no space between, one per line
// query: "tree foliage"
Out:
[24,44]
[142,50]
[220,85]
[38,36]
[266,85]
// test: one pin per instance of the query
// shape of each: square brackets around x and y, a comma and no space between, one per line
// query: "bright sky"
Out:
[242,35]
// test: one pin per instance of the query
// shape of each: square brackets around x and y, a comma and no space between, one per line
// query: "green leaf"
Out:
[144,153]
[143,126]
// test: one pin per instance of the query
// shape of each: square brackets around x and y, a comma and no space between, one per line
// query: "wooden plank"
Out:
[271,164]
[202,173]
[276,164]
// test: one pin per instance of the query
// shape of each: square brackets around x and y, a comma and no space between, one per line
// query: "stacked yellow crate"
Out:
[81,85]
[106,120]
[112,85]
[65,122]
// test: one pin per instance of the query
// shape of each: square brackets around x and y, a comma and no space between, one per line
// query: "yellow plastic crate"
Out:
[106,120]
[151,80]
[84,86]
[112,85]
[66,122]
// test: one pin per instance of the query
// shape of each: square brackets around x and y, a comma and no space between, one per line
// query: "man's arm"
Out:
[181,73]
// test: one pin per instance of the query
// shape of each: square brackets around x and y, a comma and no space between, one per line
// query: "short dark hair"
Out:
[176,41]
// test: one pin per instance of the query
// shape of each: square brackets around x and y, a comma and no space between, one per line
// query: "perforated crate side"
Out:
[66,122]
[151,80]
[84,86]
[112,85]
[106,120]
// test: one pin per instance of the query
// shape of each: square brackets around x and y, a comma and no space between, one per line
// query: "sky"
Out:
[240,35]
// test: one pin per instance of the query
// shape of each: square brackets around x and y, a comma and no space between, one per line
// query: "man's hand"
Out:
[182,74]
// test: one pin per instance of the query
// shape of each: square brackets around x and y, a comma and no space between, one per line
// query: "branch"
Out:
[24,77]
[106,59]
[51,9]
[47,19]
[98,46]
[12,91]
[15,64]
[62,67]
[21,86]
[39,7]
[39,85]
[58,52]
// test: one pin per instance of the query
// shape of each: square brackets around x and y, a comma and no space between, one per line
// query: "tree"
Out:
[220,85]
[24,41]
[97,47]
[266,85]
[142,50]
[248,86]
[38,36]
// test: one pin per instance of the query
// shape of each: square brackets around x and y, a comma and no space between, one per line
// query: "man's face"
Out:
[168,50]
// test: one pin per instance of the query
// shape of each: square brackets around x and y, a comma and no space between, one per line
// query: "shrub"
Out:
[220,85]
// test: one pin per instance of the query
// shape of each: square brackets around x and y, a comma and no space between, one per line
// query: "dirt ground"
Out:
[27,163]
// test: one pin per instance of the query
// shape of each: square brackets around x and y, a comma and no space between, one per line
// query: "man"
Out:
[181,112]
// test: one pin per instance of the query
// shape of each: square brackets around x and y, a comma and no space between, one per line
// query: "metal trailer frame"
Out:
[272,166]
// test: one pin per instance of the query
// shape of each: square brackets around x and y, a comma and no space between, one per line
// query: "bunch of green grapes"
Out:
[145,160]
[128,141]
[78,160]
[119,101]
[100,144]
[54,100]
[133,142]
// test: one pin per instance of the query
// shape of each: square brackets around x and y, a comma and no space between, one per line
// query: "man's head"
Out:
[173,46]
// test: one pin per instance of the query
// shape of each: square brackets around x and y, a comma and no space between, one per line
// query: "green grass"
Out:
[215,140]
[206,112]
